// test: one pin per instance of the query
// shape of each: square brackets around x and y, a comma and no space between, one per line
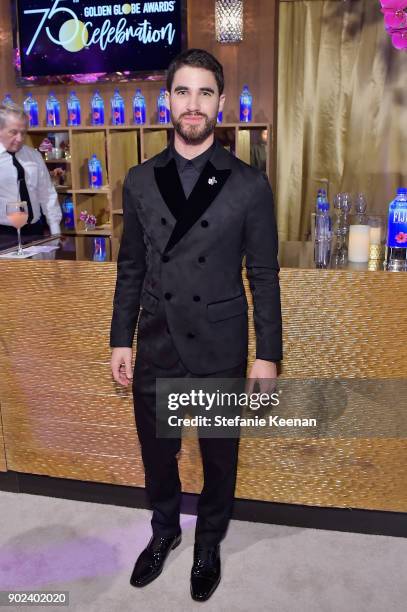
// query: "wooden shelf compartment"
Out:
[153,141]
[84,144]
[123,152]
[85,249]
[97,204]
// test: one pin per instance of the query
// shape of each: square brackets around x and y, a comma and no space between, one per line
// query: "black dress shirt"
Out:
[189,170]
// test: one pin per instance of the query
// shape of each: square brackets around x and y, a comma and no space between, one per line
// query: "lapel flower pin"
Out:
[212,181]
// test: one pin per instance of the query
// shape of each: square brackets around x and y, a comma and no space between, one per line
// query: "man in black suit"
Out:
[191,214]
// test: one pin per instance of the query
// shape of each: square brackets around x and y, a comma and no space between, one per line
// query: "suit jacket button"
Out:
[163,221]
[197,298]
[204,223]
[168,296]
[165,258]
[202,259]
[190,335]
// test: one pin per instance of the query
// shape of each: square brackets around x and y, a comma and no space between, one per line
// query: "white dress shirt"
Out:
[42,192]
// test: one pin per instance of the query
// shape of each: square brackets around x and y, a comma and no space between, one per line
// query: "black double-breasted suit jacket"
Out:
[181,260]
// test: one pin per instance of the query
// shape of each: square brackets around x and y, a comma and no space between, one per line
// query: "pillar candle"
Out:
[359,242]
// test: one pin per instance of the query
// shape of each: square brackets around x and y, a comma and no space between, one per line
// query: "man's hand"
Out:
[263,372]
[120,362]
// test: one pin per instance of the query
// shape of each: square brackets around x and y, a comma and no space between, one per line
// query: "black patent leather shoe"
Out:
[205,573]
[151,561]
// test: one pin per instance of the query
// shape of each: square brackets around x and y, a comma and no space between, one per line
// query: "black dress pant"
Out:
[163,486]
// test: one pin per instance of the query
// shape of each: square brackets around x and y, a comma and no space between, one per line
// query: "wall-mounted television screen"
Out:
[88,40]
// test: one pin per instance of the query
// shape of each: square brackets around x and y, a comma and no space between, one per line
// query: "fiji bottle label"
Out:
[98,117]
[69,222]
[245,113]
[33,118]
[139,115]
[397,236]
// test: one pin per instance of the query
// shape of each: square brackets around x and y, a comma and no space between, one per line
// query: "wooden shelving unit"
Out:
[119,148]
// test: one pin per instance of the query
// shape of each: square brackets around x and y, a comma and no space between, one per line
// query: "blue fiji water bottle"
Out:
[396,246]
[220,116]
[117,104]
[163,113]
[67,209]
[31,109]
[53,109]
[73,108]
[99,249]
[95,173]
[97,107]
[323,231]
[139,108]
[246,104]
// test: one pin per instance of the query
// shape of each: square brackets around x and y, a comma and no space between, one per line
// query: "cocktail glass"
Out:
[17,214]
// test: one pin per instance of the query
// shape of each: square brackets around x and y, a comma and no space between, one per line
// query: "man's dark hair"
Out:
[197,58]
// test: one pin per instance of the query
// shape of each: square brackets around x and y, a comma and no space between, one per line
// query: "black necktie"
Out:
[189,176]
[24,195]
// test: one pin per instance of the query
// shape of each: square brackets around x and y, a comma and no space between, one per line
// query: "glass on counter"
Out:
[17,214]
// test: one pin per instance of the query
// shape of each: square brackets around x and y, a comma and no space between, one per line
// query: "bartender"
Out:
[24,177]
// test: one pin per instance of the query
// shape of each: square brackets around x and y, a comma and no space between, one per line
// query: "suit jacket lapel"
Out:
[207,188]
[170,186]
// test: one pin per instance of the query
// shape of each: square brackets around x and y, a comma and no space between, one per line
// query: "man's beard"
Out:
[194,134]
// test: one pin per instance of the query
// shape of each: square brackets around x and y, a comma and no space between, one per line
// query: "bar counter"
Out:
[63,416]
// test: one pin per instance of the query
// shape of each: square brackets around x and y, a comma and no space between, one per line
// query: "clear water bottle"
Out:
[97,108]
[246,104]
[31,109]
[396,246]
[220,116]
[117,104]
[95,173]
[73,108]
[8,99]
[68,212]
[53,109]
[139,108]
[323,231]
[162,110]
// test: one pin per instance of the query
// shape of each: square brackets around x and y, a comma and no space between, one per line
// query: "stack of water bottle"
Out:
[97,109]
[117,108]
[395,258]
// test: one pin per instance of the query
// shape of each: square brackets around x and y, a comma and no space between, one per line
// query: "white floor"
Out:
[90,549]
